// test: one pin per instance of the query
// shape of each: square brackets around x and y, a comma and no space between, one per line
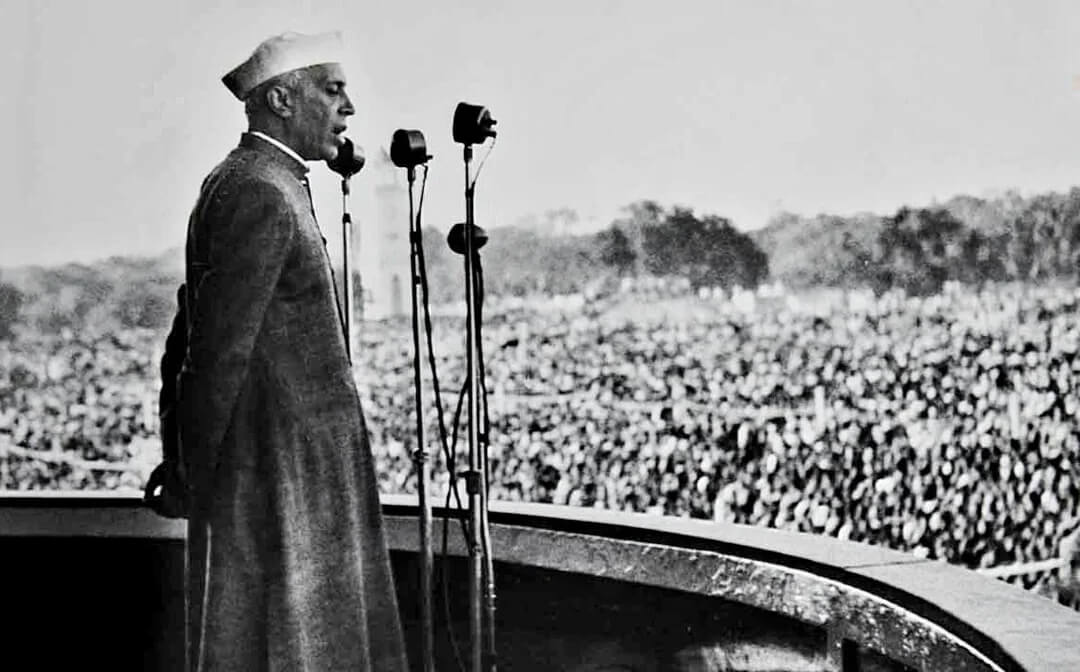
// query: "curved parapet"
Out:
[876,608]
[577,589]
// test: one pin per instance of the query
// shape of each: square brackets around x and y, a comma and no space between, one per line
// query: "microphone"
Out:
[408,148]
[349,159]
[456,238]
[472,124]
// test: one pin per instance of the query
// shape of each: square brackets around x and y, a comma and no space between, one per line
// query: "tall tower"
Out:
[382,243]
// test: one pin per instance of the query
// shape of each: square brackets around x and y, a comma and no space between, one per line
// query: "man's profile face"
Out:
[322,107]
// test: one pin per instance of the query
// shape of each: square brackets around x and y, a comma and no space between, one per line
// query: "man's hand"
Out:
[166,490]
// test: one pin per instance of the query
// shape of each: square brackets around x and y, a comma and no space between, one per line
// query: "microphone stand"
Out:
[347,242]
[420,455]
[481,566]
[348,162]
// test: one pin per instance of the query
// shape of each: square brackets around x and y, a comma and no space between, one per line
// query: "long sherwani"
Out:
[288,567]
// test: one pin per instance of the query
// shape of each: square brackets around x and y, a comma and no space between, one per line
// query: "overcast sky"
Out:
[114,110]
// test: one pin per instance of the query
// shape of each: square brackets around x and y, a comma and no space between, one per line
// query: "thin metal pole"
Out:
[346,254]
[420,455]
[474,478]
[485,525]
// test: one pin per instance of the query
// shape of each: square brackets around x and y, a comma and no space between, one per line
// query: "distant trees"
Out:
[64,297]
[966,239]
[616,250]
[822,251]
[11,300]
[516,261]
[638,217]
[109,296]
[918,250]
[1044,237]
[146,307]
[707,251]
[540,257]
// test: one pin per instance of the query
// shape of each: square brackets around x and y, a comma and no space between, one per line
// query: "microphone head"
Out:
[472,124]
[349,160]
[456,238]
[408,149]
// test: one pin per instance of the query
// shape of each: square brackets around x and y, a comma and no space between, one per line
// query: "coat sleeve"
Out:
[171,361]
[248,229]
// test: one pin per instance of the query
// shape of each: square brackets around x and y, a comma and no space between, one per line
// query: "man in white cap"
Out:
[288,567]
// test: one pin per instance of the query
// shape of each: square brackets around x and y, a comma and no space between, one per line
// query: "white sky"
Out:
[114,111]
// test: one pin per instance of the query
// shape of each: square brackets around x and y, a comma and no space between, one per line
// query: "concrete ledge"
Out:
[926,614]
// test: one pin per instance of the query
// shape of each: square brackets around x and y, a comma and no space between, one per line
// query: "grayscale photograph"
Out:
[613,336]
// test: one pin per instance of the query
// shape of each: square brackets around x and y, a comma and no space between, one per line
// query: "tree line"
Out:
[966,239]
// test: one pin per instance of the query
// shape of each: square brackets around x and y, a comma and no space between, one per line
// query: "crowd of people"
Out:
[945,426]
[79,413]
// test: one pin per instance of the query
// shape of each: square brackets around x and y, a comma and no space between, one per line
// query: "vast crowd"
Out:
[78,413]
[944,426]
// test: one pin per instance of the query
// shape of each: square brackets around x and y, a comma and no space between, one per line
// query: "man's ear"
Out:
[280,100]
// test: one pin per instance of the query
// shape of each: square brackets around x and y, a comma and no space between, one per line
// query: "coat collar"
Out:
[271,149]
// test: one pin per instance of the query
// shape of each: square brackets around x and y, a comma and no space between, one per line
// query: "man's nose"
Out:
[347,107]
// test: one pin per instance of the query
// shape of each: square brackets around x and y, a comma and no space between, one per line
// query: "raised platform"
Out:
[95,580]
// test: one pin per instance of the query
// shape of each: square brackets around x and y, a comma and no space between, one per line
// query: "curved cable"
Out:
[480,166]
[449,452]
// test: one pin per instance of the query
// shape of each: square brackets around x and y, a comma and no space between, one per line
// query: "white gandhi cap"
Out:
[280,54]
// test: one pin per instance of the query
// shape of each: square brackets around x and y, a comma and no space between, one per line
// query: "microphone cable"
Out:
[449,455]
[485,442]
[480,166]
[449,449]
[485,435]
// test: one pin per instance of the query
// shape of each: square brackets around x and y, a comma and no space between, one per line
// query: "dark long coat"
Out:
[288,567]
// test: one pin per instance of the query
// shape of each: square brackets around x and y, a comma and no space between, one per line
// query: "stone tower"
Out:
[382,241]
